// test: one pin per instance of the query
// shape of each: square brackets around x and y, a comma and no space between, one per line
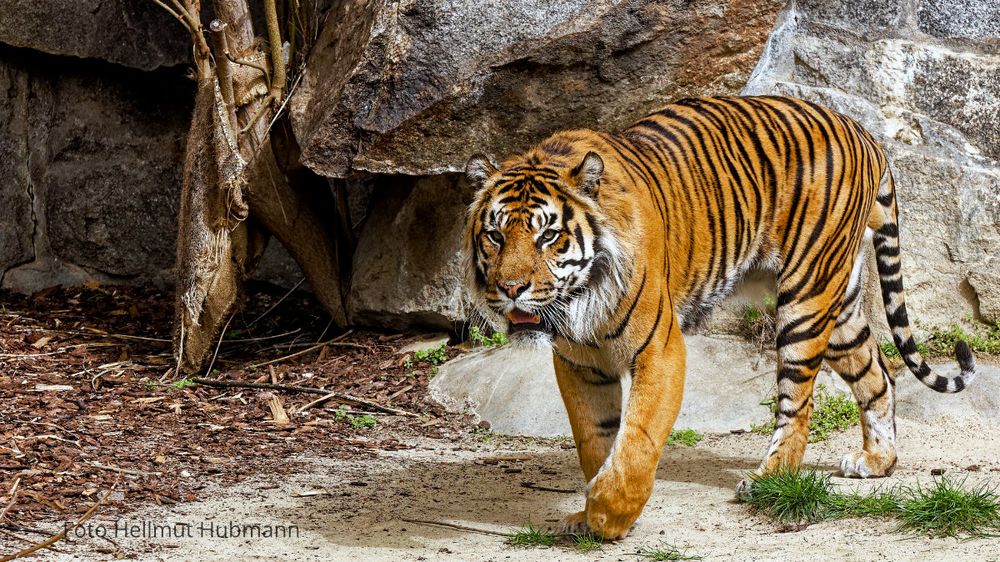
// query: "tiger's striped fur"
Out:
[607,246]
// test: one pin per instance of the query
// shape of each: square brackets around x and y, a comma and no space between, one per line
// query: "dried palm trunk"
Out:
[235,194]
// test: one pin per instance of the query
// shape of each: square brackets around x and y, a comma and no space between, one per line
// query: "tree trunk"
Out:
[242,183]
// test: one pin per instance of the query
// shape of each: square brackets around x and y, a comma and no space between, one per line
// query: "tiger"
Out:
[607,247]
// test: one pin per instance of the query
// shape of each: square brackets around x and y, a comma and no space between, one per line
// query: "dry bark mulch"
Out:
[90,400]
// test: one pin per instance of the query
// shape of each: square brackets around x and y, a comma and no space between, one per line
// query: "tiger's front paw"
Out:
[575,524]
[614,504]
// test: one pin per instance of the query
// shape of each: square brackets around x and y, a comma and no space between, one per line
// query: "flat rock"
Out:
[515,390]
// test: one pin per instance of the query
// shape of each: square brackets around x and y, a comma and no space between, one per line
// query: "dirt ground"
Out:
[200,461]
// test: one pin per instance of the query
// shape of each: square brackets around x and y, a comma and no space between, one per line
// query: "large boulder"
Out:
[408,266]
[927,88]
[415,87]
[135,33]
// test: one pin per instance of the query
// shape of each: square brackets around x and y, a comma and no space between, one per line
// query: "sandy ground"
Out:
[355,510]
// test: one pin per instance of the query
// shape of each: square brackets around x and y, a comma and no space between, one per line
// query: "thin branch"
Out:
[275,305]
[211,364]
[277,53]
[223,71]
[456,526]
[307,350]
[61,534]
[307,389]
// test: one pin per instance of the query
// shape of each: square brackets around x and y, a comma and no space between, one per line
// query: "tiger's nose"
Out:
[513,289]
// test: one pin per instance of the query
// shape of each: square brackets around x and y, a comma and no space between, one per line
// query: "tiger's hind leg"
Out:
[807,311]
[855,356]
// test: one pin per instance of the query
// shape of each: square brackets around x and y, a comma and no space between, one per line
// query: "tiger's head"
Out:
[542,257]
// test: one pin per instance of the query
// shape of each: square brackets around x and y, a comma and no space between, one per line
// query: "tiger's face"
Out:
[535,242]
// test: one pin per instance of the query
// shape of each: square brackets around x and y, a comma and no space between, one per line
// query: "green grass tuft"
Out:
[531,536]
[665,552]
[947,509]
[941,340]
[889,349]
[944,509]
[686,437]
[791,496]
[587,542]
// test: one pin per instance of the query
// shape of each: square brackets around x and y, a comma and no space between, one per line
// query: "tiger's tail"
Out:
[886,238]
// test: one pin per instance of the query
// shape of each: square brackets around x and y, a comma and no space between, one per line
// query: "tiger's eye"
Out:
[495,237]
[549,235]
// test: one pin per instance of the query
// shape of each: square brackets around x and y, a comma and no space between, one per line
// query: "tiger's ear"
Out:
[587,174]
[478,170]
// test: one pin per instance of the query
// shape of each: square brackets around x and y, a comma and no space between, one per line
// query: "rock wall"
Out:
[924,77]
[91,168]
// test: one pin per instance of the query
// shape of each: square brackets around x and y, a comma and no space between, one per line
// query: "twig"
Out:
[61,534]
[211,363]
[455,526]
[273,306]
[129,471]
[308,389]
[533,486]
[307,350]
[13,498]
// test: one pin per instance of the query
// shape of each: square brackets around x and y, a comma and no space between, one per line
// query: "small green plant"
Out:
[831,413]
[665,552]
[889,349]
[941,340]
[686,437]
[181,384]
[150,385]
[947,509]
[531,536]
[498,339]
[340,414]
[587,542]
[433,355]
[364,421]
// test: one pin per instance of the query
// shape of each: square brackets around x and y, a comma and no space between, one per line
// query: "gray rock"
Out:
[16,213]
[514,389]
[100,149]
[986,284]
[408,270]
[960,19]
[135,33]
[415,88]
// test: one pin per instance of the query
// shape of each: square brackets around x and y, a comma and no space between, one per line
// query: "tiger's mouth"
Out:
[521,320]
